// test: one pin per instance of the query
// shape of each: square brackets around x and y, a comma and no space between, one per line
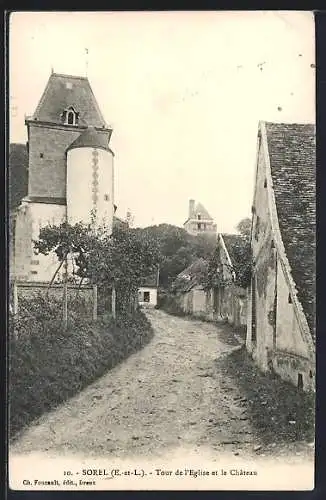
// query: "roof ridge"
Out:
[63,75]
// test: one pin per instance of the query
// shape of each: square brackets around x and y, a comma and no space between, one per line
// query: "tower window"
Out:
[70,116]
[198,216]
[106,197]
[199,226]
[41,155]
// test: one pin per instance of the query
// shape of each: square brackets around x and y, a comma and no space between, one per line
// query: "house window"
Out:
[146,296]
[106,197]
[199,226]
[41,155]
[198,216]
[265,183]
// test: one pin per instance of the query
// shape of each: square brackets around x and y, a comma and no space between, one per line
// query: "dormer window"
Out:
[70,116]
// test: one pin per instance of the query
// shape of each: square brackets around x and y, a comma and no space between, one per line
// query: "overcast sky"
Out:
[183,92]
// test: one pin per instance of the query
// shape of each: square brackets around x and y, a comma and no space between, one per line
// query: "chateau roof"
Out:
[291,149]
[63,91]
[200,209]
[91,138]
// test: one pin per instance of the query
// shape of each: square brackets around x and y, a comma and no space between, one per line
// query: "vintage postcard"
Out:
[162,250]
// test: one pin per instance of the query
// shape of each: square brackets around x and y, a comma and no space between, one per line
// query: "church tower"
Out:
[70,167]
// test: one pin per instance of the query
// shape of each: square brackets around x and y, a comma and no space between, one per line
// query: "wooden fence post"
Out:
[94,302]
[113,302]
[65,304]
[15,297]
[65,296]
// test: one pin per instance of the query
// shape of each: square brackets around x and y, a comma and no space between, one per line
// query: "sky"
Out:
[183,91]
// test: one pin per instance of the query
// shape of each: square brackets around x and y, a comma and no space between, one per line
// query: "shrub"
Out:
[48,363]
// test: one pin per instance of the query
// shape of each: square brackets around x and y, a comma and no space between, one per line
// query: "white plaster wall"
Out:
[264,269]
[288,333]
[80,186]
[42,267]
[199,301]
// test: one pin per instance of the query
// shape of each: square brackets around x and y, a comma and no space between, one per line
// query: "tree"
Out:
[119,259]
[244,227]
[178,249]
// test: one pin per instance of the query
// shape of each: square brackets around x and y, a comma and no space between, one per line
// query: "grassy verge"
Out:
[279,412]
[49,364]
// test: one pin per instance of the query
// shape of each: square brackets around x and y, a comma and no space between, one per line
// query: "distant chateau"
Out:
[199,221]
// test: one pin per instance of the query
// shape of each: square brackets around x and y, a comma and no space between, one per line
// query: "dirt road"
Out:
[169,395]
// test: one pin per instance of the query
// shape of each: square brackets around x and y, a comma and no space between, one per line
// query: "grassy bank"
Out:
[49,364]
[280,413]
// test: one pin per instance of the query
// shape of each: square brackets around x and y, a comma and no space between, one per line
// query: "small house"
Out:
[147,292]
[189,288]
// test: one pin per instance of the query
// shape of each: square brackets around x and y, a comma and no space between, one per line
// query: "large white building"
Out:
[70,172]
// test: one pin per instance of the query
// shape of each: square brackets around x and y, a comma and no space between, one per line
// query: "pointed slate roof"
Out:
[92,139]
[291,149]
[202,211]
[63,91]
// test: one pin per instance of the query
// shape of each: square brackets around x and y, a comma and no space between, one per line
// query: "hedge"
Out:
[49,364]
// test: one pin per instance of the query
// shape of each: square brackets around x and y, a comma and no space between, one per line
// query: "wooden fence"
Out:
[64,292]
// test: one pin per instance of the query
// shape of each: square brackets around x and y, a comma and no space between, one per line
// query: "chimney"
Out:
[191,209]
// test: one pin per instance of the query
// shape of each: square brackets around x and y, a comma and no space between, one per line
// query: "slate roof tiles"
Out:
[291,149]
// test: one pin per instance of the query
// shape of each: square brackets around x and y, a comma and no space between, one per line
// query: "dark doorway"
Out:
[146,296]
[300,382]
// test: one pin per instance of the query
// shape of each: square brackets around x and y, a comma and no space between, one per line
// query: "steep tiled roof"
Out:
[200,209]
[192,275]
[63,91]
[91,138]
[291,149]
